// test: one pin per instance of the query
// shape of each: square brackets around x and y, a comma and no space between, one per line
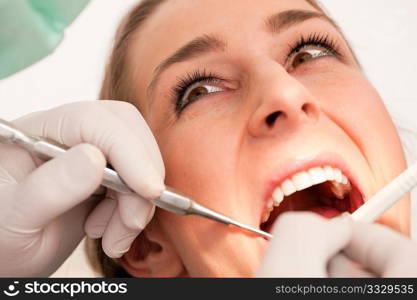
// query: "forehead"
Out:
[177,22]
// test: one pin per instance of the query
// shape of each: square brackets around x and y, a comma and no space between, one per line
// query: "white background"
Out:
[382,32]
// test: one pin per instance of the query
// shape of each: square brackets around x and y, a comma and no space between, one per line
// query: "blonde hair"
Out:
[116,87]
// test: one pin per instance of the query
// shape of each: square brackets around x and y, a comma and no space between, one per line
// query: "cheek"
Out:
[200,158]
[353,104]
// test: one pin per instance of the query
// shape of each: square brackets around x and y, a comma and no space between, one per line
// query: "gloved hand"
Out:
[46,206]
[375,250]
[302,245]
[307,245]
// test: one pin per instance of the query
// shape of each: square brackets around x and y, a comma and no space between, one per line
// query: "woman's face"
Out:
[266,89]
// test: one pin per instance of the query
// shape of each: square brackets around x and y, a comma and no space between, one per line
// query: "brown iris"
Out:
[197,93]
[306,55]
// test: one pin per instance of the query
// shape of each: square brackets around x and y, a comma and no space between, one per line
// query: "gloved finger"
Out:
[135,212]
[382,250]
[117,237]
[125,149]
[99,218]
[57,186]
[134,120]
[294,232]
[62,236]
[9,172]
[340,266]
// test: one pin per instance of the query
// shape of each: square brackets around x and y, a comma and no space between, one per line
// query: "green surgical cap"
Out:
[32,29]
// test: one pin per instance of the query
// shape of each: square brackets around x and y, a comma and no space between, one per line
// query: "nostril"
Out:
[309,109]
[270,120]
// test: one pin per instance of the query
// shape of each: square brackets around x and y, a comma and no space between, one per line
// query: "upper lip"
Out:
[288,168]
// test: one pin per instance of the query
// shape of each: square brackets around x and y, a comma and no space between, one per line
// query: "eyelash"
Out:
[316,39]
[199,76]
[184,83]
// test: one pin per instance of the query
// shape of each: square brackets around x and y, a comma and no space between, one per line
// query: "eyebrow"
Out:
[283,20]
[210,43]
[197,47]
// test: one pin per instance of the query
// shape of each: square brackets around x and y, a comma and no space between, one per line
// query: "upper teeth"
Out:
[301,181]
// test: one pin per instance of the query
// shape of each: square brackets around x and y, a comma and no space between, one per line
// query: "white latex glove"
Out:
[44,206]
[307,245]
[375,250]
[302,245]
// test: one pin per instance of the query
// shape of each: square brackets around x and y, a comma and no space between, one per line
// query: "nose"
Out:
[283,103]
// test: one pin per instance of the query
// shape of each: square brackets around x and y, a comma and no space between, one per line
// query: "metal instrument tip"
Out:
[252,230]
[202,211]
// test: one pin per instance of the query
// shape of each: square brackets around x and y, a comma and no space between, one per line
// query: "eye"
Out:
[306,55]
[197,91]
[309,48]
[194,86]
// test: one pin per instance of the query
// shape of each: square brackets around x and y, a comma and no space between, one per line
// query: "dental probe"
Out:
[387,196]
[171,201]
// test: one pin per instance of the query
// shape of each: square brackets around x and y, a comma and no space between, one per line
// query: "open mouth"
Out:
[323,190]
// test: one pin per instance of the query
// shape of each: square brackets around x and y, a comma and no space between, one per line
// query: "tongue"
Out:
[312,200]
[325,211]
